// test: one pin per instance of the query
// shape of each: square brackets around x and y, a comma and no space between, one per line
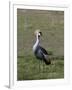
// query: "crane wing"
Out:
[42,54]
[43,50]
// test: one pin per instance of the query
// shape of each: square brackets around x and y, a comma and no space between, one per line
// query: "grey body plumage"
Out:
[39,51]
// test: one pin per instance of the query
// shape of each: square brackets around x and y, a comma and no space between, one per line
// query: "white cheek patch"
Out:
[39,34]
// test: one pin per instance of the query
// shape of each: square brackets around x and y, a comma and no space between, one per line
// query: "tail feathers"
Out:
[47,62]
[49,59]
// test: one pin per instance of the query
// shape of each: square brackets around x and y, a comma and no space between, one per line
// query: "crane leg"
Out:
[39,65]
[43,65]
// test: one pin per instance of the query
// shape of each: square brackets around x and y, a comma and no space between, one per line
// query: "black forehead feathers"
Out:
[40,33]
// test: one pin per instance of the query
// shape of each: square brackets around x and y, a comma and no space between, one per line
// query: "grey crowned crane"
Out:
[39,51]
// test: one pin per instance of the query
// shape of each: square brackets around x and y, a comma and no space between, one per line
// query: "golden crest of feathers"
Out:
[37,31]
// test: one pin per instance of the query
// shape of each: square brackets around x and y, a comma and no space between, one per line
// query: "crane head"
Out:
[38,33]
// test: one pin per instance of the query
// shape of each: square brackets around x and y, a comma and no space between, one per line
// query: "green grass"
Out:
[51,23]
[29,68]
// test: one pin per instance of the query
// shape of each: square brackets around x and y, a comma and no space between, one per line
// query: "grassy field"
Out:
[51,23]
